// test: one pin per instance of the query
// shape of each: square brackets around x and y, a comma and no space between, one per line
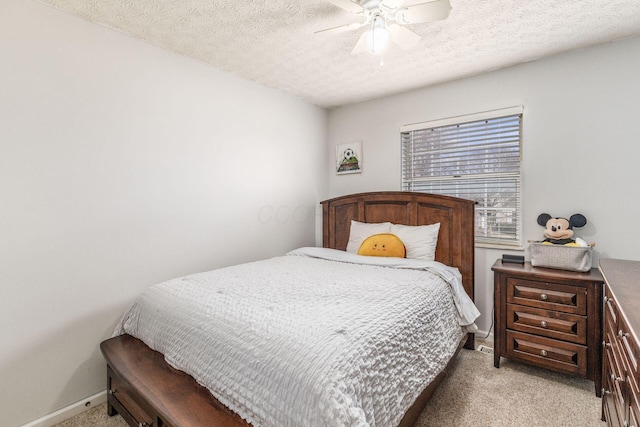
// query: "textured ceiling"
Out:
[272,41]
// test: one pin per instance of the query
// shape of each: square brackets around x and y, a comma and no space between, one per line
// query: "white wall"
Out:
[119,162]
[581,144]
[123,165]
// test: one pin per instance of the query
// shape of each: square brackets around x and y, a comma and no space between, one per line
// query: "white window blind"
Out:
[474,157]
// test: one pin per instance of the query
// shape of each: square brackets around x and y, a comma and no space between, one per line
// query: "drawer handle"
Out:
[544,297]
[543,324]
[606,344]
[605,391]
[622,334]
[543,352]
[614,378]
[112,391]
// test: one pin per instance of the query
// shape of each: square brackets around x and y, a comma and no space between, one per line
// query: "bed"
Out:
[326,375]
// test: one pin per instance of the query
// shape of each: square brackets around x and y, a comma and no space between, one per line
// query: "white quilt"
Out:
[309,339]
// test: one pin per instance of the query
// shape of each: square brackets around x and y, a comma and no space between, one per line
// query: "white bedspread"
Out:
[310,339]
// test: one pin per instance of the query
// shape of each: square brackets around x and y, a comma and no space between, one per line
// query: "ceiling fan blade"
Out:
[339,29]
[426,12]
[403,36]
[347,5]
[359,47]
[393,4]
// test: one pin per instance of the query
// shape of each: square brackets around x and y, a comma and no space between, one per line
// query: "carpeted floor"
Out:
[477,394]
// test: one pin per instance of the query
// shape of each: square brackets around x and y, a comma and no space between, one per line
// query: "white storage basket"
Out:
[561,257]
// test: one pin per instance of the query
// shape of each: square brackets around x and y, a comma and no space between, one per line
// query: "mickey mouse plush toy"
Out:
[559,231]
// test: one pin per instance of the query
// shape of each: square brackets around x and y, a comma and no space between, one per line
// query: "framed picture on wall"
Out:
[349,158]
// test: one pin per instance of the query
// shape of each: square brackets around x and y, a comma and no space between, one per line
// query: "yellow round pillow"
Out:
[383,245]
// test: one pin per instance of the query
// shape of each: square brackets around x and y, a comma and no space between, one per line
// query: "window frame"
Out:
[516,178]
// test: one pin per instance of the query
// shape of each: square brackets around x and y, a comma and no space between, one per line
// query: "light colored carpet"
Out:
[475,394]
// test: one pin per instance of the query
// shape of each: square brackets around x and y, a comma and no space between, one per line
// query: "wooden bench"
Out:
[154,393]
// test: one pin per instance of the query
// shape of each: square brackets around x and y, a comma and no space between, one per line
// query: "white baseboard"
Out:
[483,334]
[69,411]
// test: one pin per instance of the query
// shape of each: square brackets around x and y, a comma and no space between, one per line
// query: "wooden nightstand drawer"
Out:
[565,298]
[552,324]
[554,354]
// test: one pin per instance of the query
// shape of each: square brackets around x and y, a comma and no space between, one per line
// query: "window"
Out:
[474,157]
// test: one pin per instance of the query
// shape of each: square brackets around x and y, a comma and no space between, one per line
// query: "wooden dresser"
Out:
[549,318]
[621,395]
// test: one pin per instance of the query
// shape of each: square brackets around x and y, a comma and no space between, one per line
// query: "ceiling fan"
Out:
[386,21]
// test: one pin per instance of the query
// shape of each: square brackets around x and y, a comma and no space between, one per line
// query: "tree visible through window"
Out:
[475,157]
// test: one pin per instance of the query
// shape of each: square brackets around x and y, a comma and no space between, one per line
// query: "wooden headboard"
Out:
[455,239]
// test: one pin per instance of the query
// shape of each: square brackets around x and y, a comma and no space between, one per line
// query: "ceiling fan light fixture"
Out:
[377,38]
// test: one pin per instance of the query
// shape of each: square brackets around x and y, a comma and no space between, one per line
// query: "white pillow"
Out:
[420,241]
[361,230]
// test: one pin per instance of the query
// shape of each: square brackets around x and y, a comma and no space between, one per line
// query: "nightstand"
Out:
[549,318]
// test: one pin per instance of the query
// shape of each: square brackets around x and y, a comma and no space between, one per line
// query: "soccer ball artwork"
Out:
[349,162]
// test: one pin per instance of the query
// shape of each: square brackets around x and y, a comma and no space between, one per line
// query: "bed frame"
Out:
[146,391]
